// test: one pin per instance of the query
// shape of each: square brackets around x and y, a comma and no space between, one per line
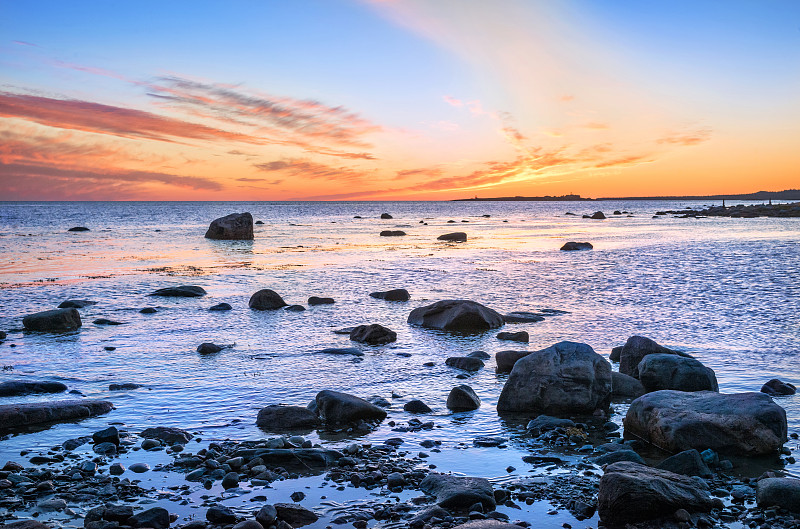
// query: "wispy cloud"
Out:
[686,138]
[313,170]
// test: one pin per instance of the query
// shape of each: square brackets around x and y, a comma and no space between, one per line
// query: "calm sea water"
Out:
[727,290]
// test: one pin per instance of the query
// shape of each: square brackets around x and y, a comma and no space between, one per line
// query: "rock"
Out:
[598,215]
[123,387]
[630,492]
[545,423]
[26,524]
[624,386]
[377,400]
[481,355]
[352,351]
[565,379]
[139,468]
[345,330]
[416,406]
[76,304]
[386,216]
[455,492]
[230,481]
[157,518]
[522,317]
[688,463]
[337,408]
[521,336]
[616,456]
[208,348]
[148,310]
[266,299]
[314,301]
[295,308]
[248,524]
[168,435]
[295,515]
[54,504]
[456,315]
[79,228]
[109,435]
[486,524]
[573,246]
[398,294]
[15,415]
[458,236]
[277,418]
[117,513]
[220,514]
[776,387]
[233,227]
[220,307]
[12,388]
[463,398]
[301,459]
[466,363]
[392,233]
[615,354]
[116,469]
[267,515]
[505,360]
[635,349]
[183,291]
[783,492]
[106,321]
[373,334]
[57,320]
[670,371]
[747,424]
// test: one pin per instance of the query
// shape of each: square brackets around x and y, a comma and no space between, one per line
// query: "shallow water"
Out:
[727,290]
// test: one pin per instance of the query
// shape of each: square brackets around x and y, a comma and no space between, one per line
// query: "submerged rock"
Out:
[564,379]
[183,291]
[463,398]
[338,409]
[398,294]
[670,371]
[148,310]
[208,348]
[124,386]
[266,299]
[573,246]
[105,321]
[352,351]
[521,336]
[373,334]
[294,308]
[57,320]
[16,415]
[220,307]
[747,424]
[392,233]
[314,300]
[79,228]
[598,215]
[456,315]
[416,406]
[76,304]
[776,387]
[455,492]
[167,434]
[13,388]
[277,417]
[467,363]
[634,351]
[522,317]
[386,216]
[458,236]
[233,227]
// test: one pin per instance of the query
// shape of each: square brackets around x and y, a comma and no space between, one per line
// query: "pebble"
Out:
[139,468]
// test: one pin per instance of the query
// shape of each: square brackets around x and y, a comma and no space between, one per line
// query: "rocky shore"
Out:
[741,211]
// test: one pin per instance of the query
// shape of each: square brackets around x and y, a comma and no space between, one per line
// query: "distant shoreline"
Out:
[789,194]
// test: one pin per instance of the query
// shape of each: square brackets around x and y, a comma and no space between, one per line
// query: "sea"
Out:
[726,290]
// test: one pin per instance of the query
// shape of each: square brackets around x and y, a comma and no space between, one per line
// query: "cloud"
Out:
[313,170]
[453,101]
[23,43]
[686,138]
[595,125]
[413,173]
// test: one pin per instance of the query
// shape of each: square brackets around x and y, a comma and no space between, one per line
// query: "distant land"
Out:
[788,194]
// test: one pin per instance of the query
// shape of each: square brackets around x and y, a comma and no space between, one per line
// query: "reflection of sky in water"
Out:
[726,289]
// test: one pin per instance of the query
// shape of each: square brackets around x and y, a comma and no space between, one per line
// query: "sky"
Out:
[397,99]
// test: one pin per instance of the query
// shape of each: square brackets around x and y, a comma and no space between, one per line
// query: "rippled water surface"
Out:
[728,290]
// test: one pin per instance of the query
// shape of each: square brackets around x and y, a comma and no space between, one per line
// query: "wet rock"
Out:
[314,301]
[266,299]
[12,388]
[458,236]
[598,215]
[183,291]
[456,315]
[345,330]
[565,379]
[106,321]
[15,415]
[466,363]
[57,320]
[78,228]
[670,371]
[116,469]
[248,524]
[545,423]
[352,351]
[53,504]
[295,515]
[630,492]
[117,513]
[634,351]
[573,246]
[220,514]
[781,492]
[416,406]
[486,524]
[775,387]
[208,348]
[505,360]
[26,524]
[463,398]
[148,310]
[157,518]
[220,307]
[167,434]
[267,515]
[688,463]
[230,481]
[76,304]
[398,294]
[617,456]
[520,316]
[386,216]
[277,418]
[377,400]
[373,334]
[109,435]
[616,352]
[336,408]
[623,385]
[233,227]
[521,336]
[124,386]
[482,355]
[139,468]
[455,492]
[392,233]
[295,308]
[747,424]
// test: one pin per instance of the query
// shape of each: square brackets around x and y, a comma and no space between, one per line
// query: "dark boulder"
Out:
[79,228]
[392,233]
[615,456]
[463,398]
[337,409]
[156,517]
[109,435]
[545,423]
[76,304]
[295,308]
[781,492]
[220,514]
[482,355]
[266,299]
[777,388]
[373,334]
[106,321]
[521,336]
[386,216]
[15,415]
[522,317]
[688,463]
[295,515]
[277,418]
[456,315]
[314,300]
[598,215]
[670,371]
[267,515]
[220,307]
[747,424]
[506,359]
[57,320]
[565,379]
[398,294]
[148,310]
[208,348]
[233,227]
[466,363]
[352,351]
[167,434]
[634,351]
[13,388]
[416,406]
[458,236]
[573,246]
[624,386]
[459,493]
[183,291]
[616,352]
[124,386]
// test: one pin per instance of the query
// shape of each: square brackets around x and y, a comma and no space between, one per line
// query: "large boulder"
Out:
[670,371]
[373,334]
[57,320]
[624,386]
[565,379]
[463,398]
[456,315]
[783,492]
[183,291]
[460,493]
[635,349]
[13,388]
[339,409]
[266,299]
[15,415]
[630,492]
[747,424]
[276,418]
[233,227]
